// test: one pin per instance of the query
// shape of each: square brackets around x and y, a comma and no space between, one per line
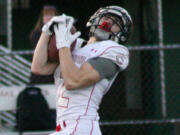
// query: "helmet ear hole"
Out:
[123,38]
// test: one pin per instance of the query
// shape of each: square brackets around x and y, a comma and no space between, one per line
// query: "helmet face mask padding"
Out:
[105,26]
[119,16]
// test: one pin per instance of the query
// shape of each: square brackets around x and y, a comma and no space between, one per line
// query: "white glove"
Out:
[64,38]
[56,19]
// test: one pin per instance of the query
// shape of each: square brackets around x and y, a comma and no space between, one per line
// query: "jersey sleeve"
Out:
[118,54]
[105,67]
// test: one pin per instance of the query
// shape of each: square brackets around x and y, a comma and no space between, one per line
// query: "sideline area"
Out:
[8,97]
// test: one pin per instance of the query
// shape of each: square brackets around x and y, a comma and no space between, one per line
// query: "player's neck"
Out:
[92,40]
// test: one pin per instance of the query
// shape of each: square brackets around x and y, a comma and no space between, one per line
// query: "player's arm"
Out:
[40,64]
[88,74]
[73,76]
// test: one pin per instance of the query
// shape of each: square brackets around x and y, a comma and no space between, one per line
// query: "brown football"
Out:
[52,50]
[53,55]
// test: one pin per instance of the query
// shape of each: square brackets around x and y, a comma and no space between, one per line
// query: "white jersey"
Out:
[83,103]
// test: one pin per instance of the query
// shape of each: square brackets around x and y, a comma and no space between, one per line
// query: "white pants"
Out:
[79,127]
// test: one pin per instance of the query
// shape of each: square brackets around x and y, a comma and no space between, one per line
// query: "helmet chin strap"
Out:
[101,34]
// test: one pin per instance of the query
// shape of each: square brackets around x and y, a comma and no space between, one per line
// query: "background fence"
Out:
[144,98]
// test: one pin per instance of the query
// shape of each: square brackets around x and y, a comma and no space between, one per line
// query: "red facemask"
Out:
[105,26]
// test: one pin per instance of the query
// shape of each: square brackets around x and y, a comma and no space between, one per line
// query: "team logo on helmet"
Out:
[124,18]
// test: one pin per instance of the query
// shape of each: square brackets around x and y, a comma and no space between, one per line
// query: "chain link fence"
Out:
[137,104]
[144,99]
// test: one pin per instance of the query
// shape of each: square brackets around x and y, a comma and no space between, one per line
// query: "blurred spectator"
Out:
[47,12]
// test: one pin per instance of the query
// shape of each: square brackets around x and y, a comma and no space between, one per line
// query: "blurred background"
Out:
[144,99]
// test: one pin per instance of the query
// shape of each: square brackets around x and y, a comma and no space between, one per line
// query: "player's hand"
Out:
[56,19]
[64,37]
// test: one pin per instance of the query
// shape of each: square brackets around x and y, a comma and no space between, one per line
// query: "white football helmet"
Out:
[124,22]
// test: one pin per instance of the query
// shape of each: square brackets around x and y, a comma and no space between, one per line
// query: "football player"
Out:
[84,76]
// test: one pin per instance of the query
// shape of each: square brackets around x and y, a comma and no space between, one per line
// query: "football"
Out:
[52,50]
[53,55]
